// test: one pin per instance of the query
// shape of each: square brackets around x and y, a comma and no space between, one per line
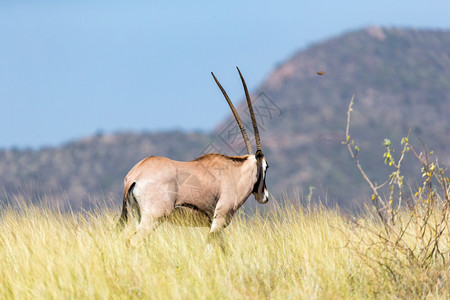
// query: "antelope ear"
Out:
[259,155]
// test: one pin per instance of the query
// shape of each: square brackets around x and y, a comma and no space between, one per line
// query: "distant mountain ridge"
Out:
[85,172]
[400,79]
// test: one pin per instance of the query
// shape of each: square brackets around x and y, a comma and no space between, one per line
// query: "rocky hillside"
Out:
[86,172]
[400,79]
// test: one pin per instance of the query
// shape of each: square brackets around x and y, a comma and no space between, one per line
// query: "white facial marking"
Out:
[264,165]
[262,194]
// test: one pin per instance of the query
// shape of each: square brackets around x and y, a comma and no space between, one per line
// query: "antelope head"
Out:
[259,190]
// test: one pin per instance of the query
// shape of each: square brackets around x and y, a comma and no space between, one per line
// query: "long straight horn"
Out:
[236,116]
[252,114]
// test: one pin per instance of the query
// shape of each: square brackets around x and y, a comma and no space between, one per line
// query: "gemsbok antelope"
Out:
[209,189]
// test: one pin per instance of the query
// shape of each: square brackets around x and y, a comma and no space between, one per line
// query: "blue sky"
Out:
[69,69]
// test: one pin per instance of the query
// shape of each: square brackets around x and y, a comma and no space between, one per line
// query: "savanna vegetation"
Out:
[291,252]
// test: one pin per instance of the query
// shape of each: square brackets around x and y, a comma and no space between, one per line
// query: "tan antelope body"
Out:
[208,189]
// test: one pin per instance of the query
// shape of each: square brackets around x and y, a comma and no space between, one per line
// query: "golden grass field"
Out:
[288,253]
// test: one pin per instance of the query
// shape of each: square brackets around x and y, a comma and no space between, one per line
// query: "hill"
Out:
[86,172]
[400,79]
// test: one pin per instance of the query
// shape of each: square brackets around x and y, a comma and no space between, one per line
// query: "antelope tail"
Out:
[128,198]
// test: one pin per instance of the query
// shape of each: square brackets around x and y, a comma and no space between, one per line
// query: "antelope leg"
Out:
[216,234]
[146,226]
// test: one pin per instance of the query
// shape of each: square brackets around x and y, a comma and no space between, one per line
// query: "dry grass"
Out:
[291,252]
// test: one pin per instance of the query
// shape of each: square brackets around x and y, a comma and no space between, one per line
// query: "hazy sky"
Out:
[69,69]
